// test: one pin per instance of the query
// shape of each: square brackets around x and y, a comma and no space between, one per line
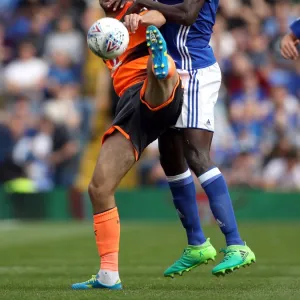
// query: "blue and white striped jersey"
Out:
[189,45]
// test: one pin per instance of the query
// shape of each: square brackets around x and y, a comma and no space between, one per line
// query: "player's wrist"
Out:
[293,37]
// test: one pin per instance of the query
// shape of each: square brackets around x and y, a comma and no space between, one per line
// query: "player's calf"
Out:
[197,151]
[162,76]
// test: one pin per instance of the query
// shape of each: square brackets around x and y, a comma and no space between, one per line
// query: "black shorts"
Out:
[140,123]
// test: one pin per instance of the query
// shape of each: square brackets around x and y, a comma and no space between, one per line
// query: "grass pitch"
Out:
[41,260]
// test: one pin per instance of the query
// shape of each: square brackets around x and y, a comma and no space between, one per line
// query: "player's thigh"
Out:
[115,159]
[201,88]
[172,152]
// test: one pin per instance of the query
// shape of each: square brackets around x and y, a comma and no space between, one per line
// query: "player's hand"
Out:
[132,22]
[115,4]
[135,7]
[288,47]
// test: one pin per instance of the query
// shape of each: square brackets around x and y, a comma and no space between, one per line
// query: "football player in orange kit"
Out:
[150,102]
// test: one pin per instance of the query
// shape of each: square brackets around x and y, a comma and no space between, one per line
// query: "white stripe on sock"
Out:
[209,174]
[180,176]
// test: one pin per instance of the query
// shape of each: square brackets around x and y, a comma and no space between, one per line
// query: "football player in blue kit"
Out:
[290,41]
[187,146]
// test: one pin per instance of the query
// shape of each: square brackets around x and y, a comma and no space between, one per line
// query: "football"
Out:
[108,38]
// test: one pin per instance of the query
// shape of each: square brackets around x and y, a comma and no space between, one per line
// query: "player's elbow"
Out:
[160,22]
[188,18]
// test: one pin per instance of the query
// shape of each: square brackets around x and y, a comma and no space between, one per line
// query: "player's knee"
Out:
[99,192]
[198,160]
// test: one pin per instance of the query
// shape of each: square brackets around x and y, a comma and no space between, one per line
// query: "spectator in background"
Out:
[27,74]
[283,172]
[249,109]
[2,59]
[23,109]
[31,153]
[66,39]
[40,25]
[286,108]
[258,48]
[62,107]
[246,168]
[63,158]
[10,133]
[240,65]
[225,145]
[61,72]
[222,41]
[7,8]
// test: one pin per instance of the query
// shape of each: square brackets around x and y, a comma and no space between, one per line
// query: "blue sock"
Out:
[216,190]
[184,196]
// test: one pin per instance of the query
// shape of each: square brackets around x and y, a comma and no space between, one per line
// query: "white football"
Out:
[108,38]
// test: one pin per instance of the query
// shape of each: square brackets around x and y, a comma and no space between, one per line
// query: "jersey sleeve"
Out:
[143,11]
[295,28]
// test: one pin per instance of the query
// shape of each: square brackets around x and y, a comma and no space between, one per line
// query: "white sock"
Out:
[108,278]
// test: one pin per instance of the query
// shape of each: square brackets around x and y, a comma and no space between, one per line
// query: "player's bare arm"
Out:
[288,46]
[112,5]
[152,17]
[184,13]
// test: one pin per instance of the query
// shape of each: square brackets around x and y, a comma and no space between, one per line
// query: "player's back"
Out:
[189,45]
[131,67]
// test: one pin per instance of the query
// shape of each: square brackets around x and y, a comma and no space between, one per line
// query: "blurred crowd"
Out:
[257,116]
[46,116]
[45,119]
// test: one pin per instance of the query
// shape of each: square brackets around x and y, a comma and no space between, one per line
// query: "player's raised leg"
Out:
[115,160]
[162,78]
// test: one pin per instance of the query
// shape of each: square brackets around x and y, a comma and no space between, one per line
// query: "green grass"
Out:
[40,261]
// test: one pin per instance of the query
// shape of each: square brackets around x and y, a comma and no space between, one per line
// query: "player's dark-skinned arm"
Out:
[184,13]
[153,17]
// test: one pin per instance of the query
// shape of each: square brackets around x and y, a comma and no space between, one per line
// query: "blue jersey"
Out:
[295,27]
[189,45]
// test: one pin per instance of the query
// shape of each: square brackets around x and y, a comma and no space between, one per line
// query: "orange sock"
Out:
[107,232]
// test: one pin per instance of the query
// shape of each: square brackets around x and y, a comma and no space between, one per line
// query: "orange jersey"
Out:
[131,67]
